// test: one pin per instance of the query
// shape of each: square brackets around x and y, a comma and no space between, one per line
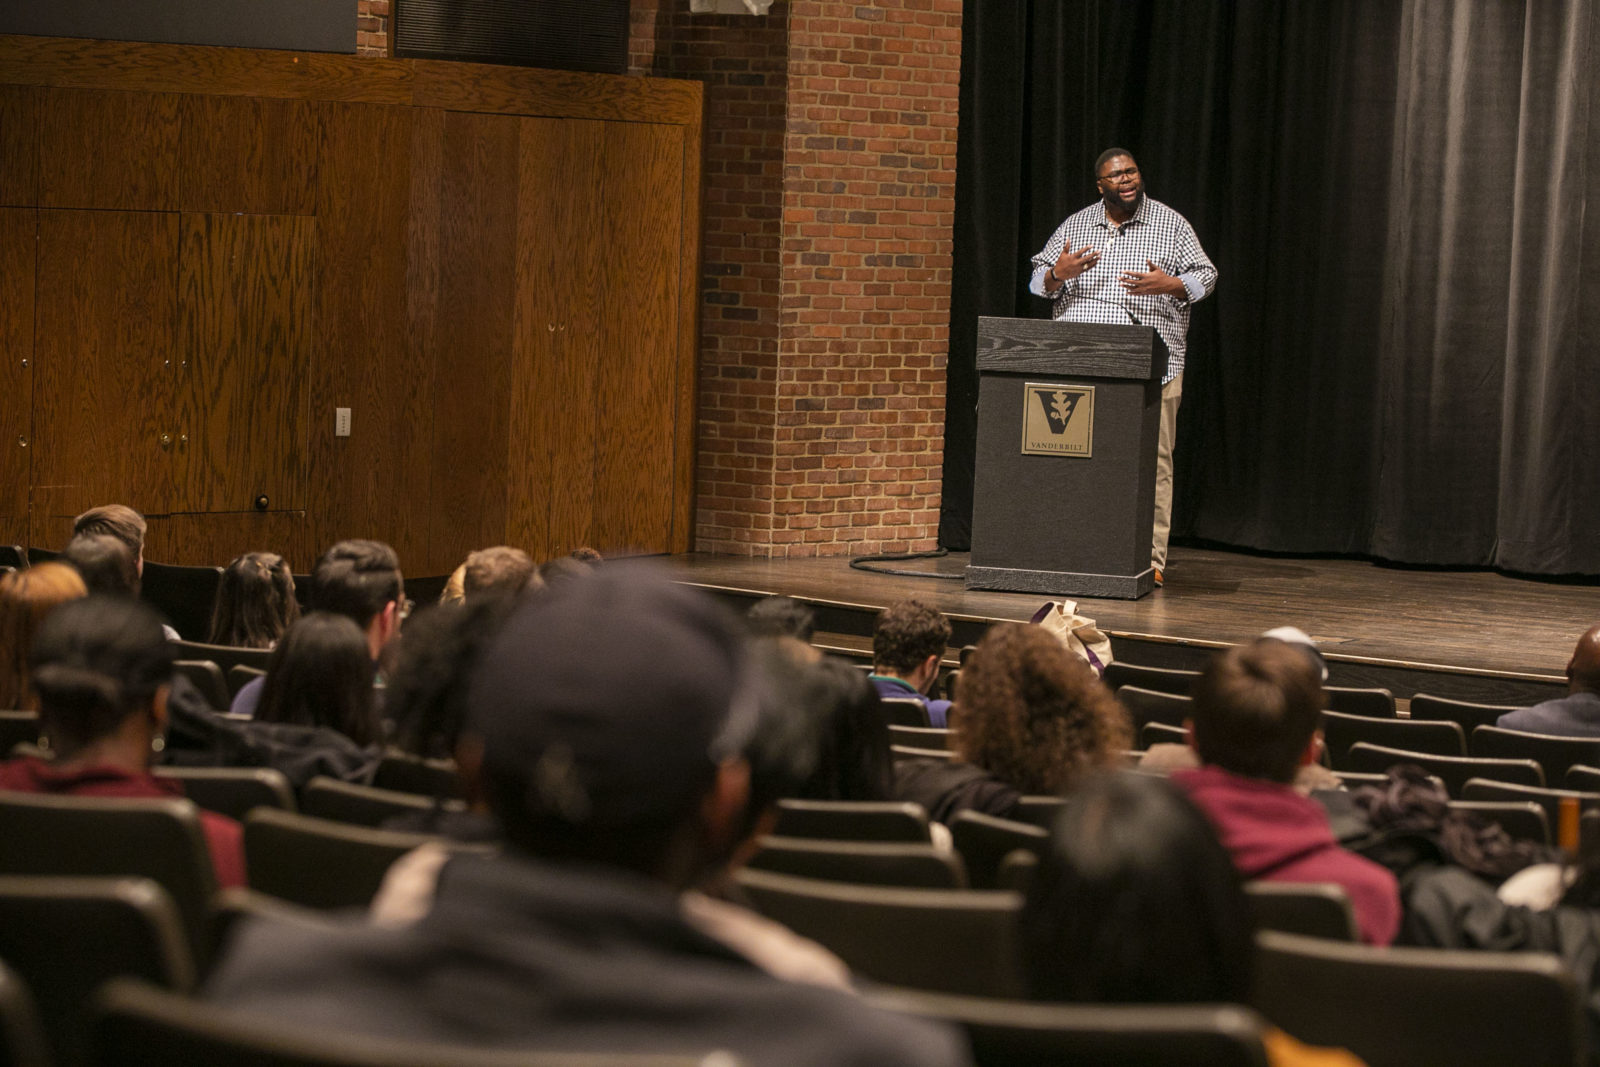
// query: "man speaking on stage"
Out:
[1130,259]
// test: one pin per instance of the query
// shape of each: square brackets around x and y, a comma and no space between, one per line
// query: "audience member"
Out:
[852,759]
[782,754]
[611,715]
[255,602]
[321,675]
[1136,902]
[781,616]
[360,580]
[104,563]
[907,643]
[1255,715]
[128,526]
[119,521]
[1032,719]
[499,571]
[101,670]
[1578,713]
[26,597]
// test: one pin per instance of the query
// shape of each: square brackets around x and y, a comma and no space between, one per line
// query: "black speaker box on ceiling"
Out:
[564,34]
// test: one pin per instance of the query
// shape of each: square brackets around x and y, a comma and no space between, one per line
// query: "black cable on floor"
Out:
[860,564]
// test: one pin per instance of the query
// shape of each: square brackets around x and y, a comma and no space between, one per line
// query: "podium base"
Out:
[1063,583]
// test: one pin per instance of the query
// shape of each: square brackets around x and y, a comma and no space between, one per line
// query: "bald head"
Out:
[1583,670]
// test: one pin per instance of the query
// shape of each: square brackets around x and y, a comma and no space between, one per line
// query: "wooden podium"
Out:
[1068,417]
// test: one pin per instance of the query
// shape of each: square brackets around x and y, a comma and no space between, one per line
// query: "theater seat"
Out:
[1398,1007]
[1010,1033]
[141,1026]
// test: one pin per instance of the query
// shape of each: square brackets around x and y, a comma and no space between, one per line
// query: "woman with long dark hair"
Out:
[255,602]
[321,675]
[1136,901]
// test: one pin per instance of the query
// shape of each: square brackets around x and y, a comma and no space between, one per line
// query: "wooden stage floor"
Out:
[1376,623]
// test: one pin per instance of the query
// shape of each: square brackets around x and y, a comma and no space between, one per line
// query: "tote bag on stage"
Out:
[1077,632]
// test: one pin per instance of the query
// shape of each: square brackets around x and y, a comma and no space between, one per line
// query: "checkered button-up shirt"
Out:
[1156,233]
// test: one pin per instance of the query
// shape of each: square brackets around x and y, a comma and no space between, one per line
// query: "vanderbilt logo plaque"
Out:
[1057,420]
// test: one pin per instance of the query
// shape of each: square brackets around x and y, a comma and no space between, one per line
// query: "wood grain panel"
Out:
[101,149]
[553,93]
[174,68]
[636,388]
[19,158]
[251,154]
[374,482]
[686,363]
[471,345]
[244,329]
[104,334]
[215,538]
[558,285]
[17,250]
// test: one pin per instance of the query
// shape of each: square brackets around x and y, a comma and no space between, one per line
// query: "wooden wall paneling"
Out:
[244,328]
[104,338]
[19,146]
[559,284]
[553,93]
[176,68]
[374,482]
[100,149]
[215,538]
[253,154]
[472,330]
[636,387]
[18,243]
[686,367]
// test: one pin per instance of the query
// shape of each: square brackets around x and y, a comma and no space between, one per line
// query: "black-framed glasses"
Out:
[1117,175]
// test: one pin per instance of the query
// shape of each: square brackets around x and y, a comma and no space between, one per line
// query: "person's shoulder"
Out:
[248,696]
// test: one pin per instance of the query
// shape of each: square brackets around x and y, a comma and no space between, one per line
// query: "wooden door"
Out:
[473,245]
[105,341]
[18,228]
[561,271]
[636,390]
[244,331]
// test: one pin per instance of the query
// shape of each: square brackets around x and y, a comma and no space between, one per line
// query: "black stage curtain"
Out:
[1400,356]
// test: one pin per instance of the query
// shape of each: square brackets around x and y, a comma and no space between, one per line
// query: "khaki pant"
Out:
[1171,397]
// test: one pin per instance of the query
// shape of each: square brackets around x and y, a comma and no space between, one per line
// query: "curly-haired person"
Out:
[1030,718]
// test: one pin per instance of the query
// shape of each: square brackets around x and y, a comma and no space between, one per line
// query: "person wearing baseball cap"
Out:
[610,715]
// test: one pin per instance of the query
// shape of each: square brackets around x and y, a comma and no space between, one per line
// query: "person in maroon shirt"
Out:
[101,669]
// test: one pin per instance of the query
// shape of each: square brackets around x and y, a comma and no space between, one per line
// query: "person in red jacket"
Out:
[1254,725]
[101,669]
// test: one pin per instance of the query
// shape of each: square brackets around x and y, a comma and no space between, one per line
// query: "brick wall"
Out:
[869,200]
[742,61]
[830,184]
[372,27]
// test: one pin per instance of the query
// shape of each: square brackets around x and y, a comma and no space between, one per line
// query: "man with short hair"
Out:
[609,717]
[1254,724]
[105,564]
[499,571]
[908,642]
[360,580]
[119,521]
[1578,713]
[1129,259]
